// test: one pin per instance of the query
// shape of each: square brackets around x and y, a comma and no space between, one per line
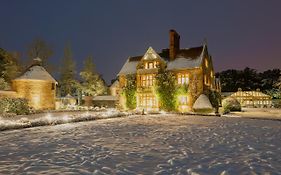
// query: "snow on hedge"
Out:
[52,119]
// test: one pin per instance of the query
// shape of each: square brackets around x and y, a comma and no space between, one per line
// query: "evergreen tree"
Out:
[92,83]
[9,68]
[68,84]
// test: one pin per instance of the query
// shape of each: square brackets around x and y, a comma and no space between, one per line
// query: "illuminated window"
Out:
[183,100]
[151,65]
[206,63]
[183,79]
[205,79]
[147,80]
[148,101]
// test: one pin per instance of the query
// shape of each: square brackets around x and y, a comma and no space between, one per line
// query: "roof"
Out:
[130,67]
[114,84]
[185,59]
[36,72]
[183,63]
[105,98]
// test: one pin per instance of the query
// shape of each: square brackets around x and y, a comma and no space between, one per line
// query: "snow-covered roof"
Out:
[36,72]
[184,63]
[202,102]
[115,84]
[185,59]
[105,98]
[130,67]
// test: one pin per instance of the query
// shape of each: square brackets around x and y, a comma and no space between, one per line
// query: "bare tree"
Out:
[39,48]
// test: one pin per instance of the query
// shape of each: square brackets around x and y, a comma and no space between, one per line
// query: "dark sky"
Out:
[240,33]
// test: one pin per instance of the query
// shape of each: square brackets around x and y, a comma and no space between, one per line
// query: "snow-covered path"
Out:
[145,144]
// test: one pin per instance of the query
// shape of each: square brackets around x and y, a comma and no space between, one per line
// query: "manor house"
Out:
[191,66]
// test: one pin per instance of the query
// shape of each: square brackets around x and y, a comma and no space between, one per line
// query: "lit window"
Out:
[147,80]
[183,79]
[183,100]
[148,101]
[150,65]
[206,63]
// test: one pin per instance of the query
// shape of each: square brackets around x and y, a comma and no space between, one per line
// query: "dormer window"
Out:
[150,65]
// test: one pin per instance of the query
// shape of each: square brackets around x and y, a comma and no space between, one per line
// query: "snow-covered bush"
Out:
[3,84]
[14,105]
[202,104]
[230,104]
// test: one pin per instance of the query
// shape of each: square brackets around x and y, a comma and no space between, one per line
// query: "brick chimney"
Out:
[174,44]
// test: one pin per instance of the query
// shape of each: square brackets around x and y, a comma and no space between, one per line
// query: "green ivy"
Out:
[166,90]
[129,91]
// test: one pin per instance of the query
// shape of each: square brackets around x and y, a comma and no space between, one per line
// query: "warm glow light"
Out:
[49,117]
[65,118]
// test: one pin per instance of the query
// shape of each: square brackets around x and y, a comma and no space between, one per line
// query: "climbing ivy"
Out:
[129,91]
[165,89]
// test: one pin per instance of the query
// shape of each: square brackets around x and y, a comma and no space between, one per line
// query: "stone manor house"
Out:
[191,66]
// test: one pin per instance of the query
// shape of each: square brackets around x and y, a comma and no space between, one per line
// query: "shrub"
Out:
[215,99]
[230,104]
[18,106]
[3,84]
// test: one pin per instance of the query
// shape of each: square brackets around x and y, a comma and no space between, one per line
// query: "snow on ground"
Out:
[152,144]
[259,113]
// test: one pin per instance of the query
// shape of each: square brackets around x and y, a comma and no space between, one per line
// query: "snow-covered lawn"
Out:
[166,144]
[259,113]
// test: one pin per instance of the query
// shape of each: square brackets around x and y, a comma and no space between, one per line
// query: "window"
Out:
[151,65]
[147,80]
[147,100]
[183,79]
[183,100]
[53,86]
[206,63]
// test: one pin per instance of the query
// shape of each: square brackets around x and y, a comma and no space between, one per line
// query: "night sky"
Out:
[239,33]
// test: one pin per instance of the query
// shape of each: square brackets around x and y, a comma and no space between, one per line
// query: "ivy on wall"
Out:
[129,91]
[165,89]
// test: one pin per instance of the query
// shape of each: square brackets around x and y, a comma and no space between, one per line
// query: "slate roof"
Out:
[185,59]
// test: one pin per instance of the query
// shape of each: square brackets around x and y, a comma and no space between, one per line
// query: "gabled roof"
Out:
[151,54]
[130,67]
[185,59]
[36,72]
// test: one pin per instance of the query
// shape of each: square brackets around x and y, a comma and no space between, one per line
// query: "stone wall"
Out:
[40,94]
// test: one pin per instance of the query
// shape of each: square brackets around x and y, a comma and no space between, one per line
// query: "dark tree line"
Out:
[249,79]
[87,82]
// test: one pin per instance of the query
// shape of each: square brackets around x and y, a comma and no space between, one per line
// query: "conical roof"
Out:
[36,72]
[202,102]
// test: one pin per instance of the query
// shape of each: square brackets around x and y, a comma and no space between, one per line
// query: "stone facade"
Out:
[40,94]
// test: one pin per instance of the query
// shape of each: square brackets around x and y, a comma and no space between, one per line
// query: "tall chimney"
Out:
[174,44]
